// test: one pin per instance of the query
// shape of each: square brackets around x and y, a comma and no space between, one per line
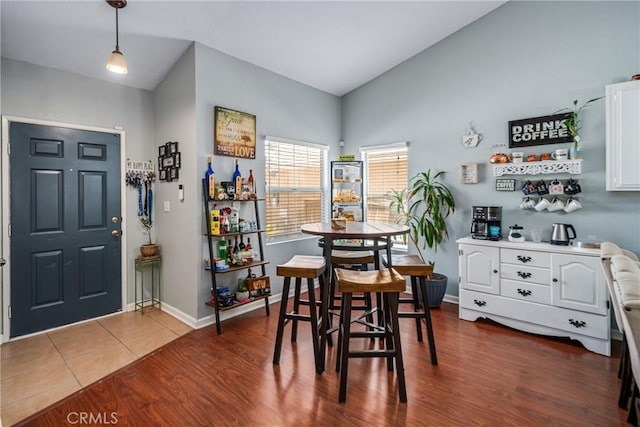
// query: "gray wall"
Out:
[178,231]
[47,94]
[525,59]
[283,108]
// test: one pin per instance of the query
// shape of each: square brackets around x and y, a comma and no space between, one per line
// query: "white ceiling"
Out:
[335,46]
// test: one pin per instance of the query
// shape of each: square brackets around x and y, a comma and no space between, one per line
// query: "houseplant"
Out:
[424,206]
[574,124]
[148,249]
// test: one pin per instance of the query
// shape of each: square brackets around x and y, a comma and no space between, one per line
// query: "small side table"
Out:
[145,263]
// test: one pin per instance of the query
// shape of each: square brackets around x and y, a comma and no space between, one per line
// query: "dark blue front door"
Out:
[65,223]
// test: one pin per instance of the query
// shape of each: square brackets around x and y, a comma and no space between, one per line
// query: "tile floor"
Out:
[40,370]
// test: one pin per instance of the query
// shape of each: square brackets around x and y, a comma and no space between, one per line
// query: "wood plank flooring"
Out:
[487,375]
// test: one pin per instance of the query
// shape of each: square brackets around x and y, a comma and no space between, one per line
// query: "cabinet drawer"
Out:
[524,257]
[525,274]
[537,315]
[526,291]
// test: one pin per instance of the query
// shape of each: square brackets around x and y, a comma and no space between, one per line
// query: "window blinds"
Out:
[386,170]
[295,187]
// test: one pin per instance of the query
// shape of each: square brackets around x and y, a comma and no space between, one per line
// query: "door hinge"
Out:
[9,312]
[8,148]
[607,304]
[9,226]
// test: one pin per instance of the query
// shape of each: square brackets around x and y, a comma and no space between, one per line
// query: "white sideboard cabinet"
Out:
[623,136]
[536,287]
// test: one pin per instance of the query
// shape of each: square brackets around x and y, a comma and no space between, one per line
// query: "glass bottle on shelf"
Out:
[236,248]
[237,179]
[251,182]
[209,178]
[248,247]
[241,245]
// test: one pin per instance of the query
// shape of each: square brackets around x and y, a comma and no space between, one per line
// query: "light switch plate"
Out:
[167,206]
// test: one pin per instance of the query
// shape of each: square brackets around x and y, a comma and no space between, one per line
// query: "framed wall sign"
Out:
[234,133]
[505,184]
[469,173]
[539,131]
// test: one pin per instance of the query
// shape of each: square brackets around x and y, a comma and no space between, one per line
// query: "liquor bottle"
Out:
[248,247]
[251,182]
[241,245]
[237,179]
[236,248]
[229,253]
[209,178]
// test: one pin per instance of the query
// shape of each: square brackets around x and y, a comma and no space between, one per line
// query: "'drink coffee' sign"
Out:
[538,131]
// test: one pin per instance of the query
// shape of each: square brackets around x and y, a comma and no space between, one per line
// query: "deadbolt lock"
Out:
[115,233]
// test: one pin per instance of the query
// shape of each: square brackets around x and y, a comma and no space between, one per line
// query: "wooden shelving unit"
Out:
[258,263]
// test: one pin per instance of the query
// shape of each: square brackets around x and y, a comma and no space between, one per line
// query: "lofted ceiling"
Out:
[334,46]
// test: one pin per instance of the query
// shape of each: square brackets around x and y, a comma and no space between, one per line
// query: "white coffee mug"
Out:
[555,205]
[572,205]
[542,204]
[560,154]
[527,203]
[517,157]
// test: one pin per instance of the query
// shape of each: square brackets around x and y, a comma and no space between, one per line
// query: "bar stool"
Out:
[389,283]
[351,258]
[414,267]
[300,267]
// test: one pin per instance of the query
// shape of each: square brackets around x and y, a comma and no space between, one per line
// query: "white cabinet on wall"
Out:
[623,136]
[536,287]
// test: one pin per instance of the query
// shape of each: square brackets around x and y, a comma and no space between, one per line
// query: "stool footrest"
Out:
[372,353]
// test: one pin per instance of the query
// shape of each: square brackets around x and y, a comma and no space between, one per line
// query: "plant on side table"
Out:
[574,124]
[424,207]
[148,249]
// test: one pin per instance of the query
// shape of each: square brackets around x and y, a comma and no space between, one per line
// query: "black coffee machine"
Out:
[486,223]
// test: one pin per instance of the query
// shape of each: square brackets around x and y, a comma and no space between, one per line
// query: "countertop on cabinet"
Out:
[529,245]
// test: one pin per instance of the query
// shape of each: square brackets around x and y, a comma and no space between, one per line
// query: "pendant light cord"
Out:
[117,31]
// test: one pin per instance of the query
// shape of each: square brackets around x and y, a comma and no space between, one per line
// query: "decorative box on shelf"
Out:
[537,168]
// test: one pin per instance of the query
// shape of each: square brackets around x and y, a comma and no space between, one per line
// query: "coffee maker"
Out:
[486,223]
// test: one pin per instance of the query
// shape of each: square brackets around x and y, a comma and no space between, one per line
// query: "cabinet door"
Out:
[577,283]
[623,134]
[479,268]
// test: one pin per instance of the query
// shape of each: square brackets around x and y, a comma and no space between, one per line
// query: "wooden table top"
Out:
[355,230]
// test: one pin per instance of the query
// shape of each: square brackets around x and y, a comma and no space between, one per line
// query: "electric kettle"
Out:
[561,234]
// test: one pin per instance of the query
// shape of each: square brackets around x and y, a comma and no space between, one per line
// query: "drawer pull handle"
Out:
[524,274]
[555,280]
[578,323]
[480,303]
[524,259]
[495,271]
[524,292]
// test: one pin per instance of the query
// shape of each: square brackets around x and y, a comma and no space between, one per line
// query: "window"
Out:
[296,184]
[385,170]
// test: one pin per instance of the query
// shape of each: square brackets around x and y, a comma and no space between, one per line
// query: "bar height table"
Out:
[353,230]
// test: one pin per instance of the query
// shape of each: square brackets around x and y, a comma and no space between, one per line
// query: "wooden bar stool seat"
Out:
[300,267]
[388,283]
[344,257]
[418,271]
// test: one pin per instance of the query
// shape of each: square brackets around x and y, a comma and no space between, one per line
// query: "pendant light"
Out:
[116,61]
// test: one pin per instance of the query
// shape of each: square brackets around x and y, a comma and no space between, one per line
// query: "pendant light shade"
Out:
[116,62]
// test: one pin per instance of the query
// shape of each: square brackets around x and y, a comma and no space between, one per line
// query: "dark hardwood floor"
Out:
[487,375]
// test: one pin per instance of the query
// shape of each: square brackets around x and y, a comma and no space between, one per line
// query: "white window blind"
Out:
[386,170]
[295,187]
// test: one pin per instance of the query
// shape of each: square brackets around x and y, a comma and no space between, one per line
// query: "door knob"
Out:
[115,233]
[2,262]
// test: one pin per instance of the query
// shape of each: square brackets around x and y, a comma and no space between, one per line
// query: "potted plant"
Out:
[574,124]
[148,249]
[424,207]
[242,294]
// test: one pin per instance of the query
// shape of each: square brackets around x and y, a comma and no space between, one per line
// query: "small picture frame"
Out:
[505,184]
[259,286]
[469,173]
[338,174]
[168,162]
[167,174]
[163,174]
[176,160]
[162,151]
[173,173]
[173,147]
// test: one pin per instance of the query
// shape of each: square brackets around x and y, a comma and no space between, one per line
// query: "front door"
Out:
[65,226]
